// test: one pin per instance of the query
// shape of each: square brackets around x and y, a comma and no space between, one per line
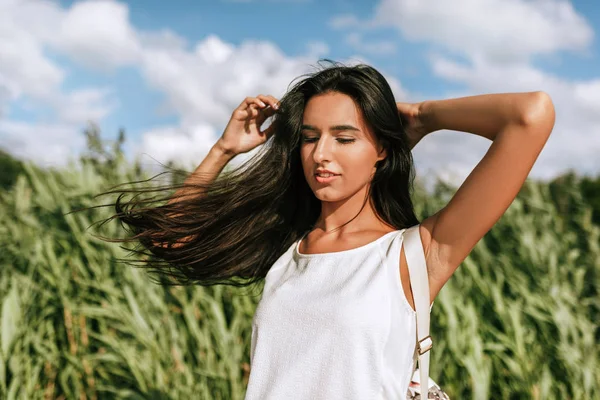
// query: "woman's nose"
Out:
[322,150]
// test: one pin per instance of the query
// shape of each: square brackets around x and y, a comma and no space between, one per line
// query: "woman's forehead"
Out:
[332,109]
[336,112]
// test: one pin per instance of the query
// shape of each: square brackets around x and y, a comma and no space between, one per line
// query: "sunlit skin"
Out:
[336,137]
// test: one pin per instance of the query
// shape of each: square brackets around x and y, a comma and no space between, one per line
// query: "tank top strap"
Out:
[394,244]
[391,255]
[393,263]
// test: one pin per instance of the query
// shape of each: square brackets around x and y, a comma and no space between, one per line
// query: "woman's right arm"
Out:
[208,170]
[242,134]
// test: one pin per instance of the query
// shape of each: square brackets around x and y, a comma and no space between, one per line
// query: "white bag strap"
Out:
[419,281]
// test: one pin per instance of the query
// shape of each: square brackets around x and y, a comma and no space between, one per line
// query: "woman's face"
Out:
[335,137]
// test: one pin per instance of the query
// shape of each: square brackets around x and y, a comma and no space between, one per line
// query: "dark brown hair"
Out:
[237,226]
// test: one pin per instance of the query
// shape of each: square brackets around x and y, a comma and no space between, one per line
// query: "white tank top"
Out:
[334,326]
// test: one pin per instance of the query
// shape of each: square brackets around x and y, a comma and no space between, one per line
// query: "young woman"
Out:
[320,214]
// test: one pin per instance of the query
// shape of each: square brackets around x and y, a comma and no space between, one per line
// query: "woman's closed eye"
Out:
[314,139]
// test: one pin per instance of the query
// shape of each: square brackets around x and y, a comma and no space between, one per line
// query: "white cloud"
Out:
[37,18]
[587,97]
[24,69]
[83,105]
[498,30]
[28,28]
[400,93]
[161,39]
[214,51]
[574,142]
[97,33]
[185,146]
[48,144]
[204,86]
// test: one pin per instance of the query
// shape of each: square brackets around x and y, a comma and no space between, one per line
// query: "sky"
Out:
[170,73]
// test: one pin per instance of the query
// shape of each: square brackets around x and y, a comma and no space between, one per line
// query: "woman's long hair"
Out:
[234,228]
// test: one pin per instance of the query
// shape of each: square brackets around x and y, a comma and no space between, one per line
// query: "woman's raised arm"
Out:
[241,135]
[518,124]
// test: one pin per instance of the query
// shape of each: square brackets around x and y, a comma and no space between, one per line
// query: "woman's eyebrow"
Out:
[333,128]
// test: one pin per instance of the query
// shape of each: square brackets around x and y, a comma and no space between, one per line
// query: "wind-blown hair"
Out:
[234,228]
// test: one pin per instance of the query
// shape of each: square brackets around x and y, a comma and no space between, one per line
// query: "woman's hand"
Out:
[242,132]
[415,129]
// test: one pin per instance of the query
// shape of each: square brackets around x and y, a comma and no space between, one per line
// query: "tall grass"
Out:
[518,320]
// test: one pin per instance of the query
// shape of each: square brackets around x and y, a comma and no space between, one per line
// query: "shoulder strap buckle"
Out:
[424,345]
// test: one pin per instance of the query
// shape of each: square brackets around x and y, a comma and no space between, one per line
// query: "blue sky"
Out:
[170,73]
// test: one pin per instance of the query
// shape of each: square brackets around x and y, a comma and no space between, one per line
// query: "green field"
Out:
[518,320]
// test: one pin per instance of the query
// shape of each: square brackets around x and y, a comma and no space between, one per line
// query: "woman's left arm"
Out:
[519,125]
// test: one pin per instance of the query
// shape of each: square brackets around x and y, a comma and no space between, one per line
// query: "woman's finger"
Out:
[247,112]
[265,114]
[255,100]
[275,101]
[253,110]
[260,107]
[270,110]
[248,101]
[269,100]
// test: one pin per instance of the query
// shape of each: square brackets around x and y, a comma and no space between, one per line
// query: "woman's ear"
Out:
[382,153]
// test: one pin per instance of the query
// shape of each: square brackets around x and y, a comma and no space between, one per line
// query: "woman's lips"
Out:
[322,179]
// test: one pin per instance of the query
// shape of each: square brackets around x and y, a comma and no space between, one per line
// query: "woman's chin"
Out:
[327,194]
